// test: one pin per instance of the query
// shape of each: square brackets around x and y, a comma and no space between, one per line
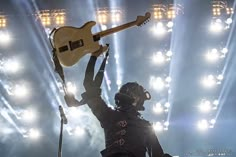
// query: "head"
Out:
[132,94]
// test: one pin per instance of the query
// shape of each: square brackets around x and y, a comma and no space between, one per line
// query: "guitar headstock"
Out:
[143,19]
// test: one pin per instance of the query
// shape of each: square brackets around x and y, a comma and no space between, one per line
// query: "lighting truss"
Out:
[221,16]
[3,21]
[52,18]
[220,8]
[108,15]
[166,12]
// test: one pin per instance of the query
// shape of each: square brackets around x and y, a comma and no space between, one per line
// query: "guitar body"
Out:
[72,43]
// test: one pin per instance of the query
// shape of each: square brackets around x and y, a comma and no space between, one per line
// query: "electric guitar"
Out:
[73,43]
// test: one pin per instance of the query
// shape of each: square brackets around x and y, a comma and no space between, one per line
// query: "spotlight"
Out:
[169,53]
[167,105]
[209,81]
[28,115]
[102,17]
[159,11]
[216,102]
[103,27]
[203,125]
[3,21]
[158,58]
[168,79]
[11,66]
[205,106]
[220,77]
[213,121]
[52,18]
[158,108]
[170,24]
[216,26]
[212,55]
[157,83]
[229,21]
[32,134]
[118,82]
[115,16]
[158,127]
[159,29]
[4,37]
[224,50]
[20,91]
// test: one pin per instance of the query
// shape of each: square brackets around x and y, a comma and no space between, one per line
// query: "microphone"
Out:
[63,116]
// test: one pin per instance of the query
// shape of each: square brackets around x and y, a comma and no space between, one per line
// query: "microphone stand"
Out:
[63,121]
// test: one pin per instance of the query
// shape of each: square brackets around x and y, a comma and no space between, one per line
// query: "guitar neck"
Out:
[116,29]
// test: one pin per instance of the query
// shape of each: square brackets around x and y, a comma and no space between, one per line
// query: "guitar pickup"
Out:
[76,44]
[63,48]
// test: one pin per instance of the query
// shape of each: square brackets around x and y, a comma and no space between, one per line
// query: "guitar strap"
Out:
[59,69]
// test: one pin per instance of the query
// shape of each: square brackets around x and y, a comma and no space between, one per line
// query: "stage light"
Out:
[159,29]
[166,124]
[205,106]
[216,26]
[6,131]
[203,125]
[217,7]
[159,11]
[157,83]
[3,21]
[216,102]
[115,16]
[28,115]
[171,14]
[169,53]
[224,50]
[33,134]
[167,105]
[4,37]
[209,81]
[102,18]
[52,18]
[118,82]
[158,58]
[11,66]
[71,88]
[220,77]
[213,121]
[229,10]
[45,18]
[158,127]
[168,79]
[158,108]
[213,55]
[229,21]
[59,17]
[103,27]
[20,91]
[170,24]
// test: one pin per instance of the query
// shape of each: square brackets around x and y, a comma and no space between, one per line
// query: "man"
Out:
[126,133]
